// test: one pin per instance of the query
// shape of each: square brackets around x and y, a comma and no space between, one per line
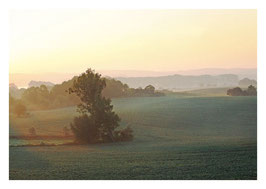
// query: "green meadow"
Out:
[175,137]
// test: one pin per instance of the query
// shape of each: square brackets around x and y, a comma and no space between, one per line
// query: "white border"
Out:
[136,4]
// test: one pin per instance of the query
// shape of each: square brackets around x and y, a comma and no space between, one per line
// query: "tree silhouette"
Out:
[98,120]
[235,92]
[251,91]
[150,89]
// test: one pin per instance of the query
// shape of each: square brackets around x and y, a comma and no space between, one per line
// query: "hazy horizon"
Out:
[22,79]
[172,101]
[55,45]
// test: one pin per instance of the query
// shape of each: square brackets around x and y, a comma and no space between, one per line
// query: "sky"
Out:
[70,41]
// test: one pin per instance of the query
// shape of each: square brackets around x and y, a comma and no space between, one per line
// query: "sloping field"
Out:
[210,92]
[175,138]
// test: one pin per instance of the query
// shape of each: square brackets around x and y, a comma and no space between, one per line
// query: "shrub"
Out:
[124,134]
[85,130]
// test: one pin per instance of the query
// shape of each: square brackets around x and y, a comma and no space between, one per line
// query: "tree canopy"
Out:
[43,97]
[97,121]
[237,91]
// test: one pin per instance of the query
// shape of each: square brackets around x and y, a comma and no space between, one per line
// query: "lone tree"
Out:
[98,121]
[150,89]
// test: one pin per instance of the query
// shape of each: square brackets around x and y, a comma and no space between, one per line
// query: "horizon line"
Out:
[208,68]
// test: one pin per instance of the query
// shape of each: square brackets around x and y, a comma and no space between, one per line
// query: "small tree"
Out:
[252,91]
[20,109]
[98,120]
[150,89]
[235,92]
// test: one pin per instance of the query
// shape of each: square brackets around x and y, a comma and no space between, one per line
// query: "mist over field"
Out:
[22,80]
[203,132]
[175,138]
[132,94]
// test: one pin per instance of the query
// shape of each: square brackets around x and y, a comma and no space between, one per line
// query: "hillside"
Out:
[193,135]
[57,96]
[164,117]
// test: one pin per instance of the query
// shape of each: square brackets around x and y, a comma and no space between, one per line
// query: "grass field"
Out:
[175,138]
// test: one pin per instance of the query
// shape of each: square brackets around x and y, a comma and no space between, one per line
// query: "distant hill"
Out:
[182,82]
[22,80]
[250,73]
[39,83]
[247,82]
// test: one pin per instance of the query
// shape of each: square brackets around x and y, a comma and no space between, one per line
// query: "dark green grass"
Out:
[128,162]
[175,138]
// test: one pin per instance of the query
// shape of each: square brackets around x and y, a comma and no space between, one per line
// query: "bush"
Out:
[85,130]
[235,92]
[124,134]
[251,91]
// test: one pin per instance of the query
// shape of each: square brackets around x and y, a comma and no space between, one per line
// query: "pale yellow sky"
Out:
[70,41]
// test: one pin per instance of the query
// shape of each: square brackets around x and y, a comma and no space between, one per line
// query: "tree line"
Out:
[41,98]
[97,122]
[237,91]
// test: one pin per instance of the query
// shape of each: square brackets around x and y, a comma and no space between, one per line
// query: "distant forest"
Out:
[187,82]
[237,91]
[45,95]
[57,96]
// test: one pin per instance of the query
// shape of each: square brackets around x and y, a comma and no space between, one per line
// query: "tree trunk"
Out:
[110,134]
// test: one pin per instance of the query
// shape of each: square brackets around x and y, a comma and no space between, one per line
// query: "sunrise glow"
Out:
[159,40]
